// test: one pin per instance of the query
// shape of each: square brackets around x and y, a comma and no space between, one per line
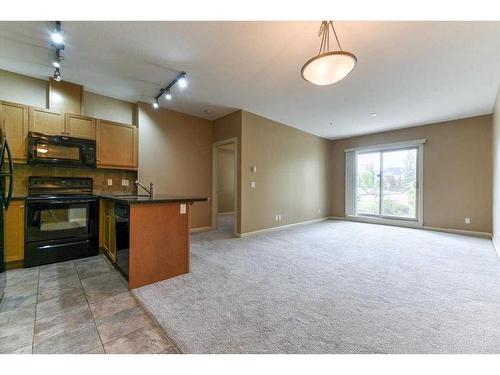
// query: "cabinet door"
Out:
[14,232]
[46,121]
[14,120]
[116,145]
[80,126]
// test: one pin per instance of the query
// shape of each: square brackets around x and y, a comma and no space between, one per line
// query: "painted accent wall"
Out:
[496,174]
[175,153]
[293,176]
[457,171]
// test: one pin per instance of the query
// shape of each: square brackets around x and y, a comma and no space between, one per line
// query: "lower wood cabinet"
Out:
[14,232]
[107,227]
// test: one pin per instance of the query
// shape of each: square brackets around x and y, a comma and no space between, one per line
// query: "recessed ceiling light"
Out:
[373,114]
[331,123]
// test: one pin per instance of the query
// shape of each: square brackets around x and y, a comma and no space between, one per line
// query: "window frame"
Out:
[351,184]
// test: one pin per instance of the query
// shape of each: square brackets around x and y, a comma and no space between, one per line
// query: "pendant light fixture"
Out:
[328,66]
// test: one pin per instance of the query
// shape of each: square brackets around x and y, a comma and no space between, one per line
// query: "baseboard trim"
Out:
[416,226]
[496,245]
[273,229]
[459,231]
[200,229]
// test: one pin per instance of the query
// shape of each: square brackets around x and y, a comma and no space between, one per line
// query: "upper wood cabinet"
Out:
[117,145]
[14,122]
[46,121]
[80,126]
[14,232]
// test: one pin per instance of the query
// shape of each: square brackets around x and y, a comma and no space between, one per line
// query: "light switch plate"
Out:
[183,208]
[124,182]
[252,184]
[110,182]
[467,220]
[253,169]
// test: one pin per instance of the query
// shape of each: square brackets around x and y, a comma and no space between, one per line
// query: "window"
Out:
[383,182]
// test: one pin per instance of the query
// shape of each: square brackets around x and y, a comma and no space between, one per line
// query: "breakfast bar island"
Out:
[146,238]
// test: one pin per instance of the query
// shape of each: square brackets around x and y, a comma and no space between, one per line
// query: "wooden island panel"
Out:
[159,242]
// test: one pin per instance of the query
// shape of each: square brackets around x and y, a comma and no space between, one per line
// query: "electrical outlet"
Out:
[276,218]
[124,182]
[467,220]
[110,182]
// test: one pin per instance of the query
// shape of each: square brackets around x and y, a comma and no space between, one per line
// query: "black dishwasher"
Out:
[122,221]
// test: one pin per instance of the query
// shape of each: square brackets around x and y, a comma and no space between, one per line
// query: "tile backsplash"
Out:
[99,176]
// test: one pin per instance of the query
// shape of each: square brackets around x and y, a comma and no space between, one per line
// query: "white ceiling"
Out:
[409,73]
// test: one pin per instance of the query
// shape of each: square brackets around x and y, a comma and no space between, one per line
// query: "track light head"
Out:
[57,75]
[168,95]
[57,35]
[182,81]
[56,64]
[155,104]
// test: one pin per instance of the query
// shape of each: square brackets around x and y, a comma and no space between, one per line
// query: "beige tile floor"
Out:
[80,306]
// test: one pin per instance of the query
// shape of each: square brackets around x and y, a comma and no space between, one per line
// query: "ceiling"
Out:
[408,73]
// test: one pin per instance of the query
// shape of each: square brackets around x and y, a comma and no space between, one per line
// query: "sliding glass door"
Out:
[386,183]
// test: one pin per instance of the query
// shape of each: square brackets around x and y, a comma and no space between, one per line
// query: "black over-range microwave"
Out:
[59,150]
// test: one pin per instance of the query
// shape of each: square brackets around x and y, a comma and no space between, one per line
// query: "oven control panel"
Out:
[45,185]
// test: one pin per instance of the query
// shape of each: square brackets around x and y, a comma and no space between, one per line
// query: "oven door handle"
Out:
[60,245]
[50,202]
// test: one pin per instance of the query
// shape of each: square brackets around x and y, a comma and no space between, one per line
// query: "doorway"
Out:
[224,187]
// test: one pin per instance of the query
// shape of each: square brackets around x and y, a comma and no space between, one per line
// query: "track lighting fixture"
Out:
[180,79]
[57,42]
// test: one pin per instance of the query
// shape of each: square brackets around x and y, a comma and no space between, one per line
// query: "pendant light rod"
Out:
[324,33]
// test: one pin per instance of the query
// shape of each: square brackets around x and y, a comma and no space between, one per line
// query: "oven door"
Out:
[60,219]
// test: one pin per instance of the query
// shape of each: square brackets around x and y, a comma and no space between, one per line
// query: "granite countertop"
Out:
[157,198]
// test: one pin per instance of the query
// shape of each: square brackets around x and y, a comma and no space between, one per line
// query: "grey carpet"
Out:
[334,287]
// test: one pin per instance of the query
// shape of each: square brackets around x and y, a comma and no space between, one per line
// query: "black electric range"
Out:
[61,220]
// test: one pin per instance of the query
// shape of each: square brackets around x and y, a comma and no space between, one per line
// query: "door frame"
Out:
[215,201]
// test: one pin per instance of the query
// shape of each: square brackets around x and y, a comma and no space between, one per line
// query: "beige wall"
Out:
[175,153]
[457,171]
[293,174]
[496,173]
[33,91]
[107,108]
[227,127]
[22,89]
[225,180]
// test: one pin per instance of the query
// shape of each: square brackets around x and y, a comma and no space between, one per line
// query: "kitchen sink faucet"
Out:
[151,188]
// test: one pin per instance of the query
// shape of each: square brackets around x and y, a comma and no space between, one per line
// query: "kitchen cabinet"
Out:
[117,145]
[14,122]
[46,121]
[14,232]
[107,228]
[80,126]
